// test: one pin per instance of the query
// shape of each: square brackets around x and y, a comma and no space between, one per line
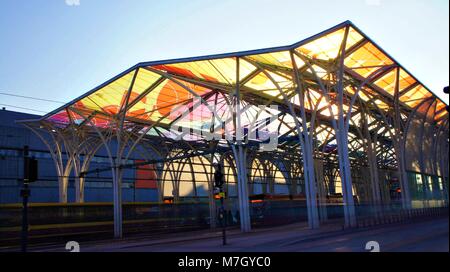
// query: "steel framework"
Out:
[348,117]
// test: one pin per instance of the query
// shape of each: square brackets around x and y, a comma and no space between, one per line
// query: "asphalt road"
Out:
[431,236]
[427,236]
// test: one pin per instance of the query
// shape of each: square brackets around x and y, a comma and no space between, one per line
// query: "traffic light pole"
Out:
[25,193]
[223,218]
[218,183]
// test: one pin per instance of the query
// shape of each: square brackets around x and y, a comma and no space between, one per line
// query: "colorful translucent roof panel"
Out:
[151,92]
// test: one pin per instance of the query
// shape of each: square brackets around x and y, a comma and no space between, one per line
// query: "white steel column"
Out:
[342,142]
[305,140]
[241,162]
[321,189]
[399,144]
[79,180]
[64,182]
[244,210]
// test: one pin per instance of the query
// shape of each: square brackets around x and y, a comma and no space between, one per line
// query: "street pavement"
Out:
[430,235]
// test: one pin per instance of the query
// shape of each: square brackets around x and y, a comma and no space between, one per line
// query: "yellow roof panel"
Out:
[367,60]
[108,99]
[328,47]
[217,70]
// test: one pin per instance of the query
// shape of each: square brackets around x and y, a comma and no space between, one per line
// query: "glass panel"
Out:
[101,122]
[414,96]
[218,70]
[319,71]
[263,83]
[406,80]
[282,59]
[440,106]
[440,115]
[367,60]
[76,118]
[61,117]
[144,81]
[109,98]
[328,47]
[363,96]
[283,77]
[163,99]
[388,81]
[380,104]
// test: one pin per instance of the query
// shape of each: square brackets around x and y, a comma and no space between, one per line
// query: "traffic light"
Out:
[218,182]
[30,170]
[168,200]
[218,178]
[220,195]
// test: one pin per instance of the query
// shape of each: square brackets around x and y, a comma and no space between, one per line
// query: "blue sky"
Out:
[57,51]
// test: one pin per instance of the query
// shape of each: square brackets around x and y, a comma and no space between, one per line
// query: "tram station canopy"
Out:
[337,97]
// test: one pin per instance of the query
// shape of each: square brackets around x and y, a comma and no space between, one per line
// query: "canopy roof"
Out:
[149,93]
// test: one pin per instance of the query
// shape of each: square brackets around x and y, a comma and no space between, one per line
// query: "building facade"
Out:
[98,188]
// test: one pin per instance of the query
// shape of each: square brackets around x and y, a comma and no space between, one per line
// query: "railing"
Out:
[395,216]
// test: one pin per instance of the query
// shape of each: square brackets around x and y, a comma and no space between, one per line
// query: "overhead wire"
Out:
[27,97]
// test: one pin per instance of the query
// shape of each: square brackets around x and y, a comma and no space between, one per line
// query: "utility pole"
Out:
[25,193]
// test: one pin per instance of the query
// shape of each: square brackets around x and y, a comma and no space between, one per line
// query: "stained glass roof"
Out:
[154,92]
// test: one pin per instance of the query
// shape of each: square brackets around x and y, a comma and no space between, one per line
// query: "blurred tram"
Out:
[269,209]
[86,221]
